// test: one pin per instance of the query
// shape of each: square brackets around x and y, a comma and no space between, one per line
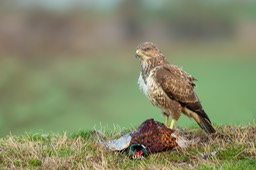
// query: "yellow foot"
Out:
[172,123]
[166,121]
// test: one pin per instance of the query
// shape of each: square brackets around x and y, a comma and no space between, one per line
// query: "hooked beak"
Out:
[138,53]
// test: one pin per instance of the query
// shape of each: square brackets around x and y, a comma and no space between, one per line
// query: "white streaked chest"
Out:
[142,85]
[150,88]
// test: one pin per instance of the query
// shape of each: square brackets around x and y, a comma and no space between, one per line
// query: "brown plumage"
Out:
[169,87]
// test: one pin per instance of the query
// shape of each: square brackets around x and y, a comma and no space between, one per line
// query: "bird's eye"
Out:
[146,49]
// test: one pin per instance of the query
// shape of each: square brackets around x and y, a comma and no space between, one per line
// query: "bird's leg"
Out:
[172,123]
[166,120]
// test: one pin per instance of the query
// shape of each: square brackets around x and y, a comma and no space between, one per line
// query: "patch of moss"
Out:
[34,162]
[233,153]
[18,163]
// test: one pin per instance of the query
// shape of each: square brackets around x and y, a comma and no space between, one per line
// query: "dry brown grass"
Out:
[233,147]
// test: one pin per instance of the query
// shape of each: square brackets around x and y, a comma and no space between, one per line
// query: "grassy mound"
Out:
[233,147]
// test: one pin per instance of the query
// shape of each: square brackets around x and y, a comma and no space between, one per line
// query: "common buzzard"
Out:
[169,87]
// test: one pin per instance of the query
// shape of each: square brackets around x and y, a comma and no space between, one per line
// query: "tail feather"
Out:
[206,125]
[202,120]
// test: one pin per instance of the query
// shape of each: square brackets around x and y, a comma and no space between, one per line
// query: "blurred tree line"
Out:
[35,29]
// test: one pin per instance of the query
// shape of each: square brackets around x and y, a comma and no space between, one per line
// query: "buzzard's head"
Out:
[148,51]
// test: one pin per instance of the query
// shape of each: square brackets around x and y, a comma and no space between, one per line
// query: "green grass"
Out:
[233,147]
[67,94]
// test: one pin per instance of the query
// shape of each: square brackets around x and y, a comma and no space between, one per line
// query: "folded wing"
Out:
[179,86]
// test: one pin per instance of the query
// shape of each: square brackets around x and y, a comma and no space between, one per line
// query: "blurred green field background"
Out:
[71,65]
[67,94]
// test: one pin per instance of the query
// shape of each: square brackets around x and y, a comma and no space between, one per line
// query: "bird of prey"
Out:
[170,88]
